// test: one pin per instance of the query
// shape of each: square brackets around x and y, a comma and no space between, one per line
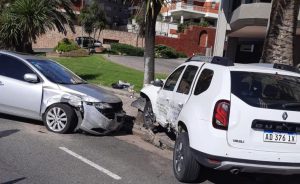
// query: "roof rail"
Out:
[212,59]
[286,67]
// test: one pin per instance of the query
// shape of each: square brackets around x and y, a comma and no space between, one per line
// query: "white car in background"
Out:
[233,117]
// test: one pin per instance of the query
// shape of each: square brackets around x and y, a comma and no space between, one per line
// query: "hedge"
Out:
[66,45]
[124,49]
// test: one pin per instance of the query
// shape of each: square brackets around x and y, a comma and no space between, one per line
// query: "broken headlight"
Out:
[100,105]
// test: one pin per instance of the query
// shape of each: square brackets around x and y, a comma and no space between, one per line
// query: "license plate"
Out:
[278,137]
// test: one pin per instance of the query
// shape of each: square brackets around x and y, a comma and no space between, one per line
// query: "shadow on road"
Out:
[219,177]
[20,119]
[127,127]
[7,133]
[14,181]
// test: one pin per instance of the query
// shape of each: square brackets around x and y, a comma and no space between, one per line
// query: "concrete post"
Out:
[220,32]
[181,19]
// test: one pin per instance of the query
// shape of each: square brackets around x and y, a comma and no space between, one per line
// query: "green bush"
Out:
[163,51]
[125,49]
[66,45]
[181,28]
[204,24]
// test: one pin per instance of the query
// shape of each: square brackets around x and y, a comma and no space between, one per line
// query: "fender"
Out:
[150,93]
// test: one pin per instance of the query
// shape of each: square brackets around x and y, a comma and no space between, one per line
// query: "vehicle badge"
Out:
[285,116]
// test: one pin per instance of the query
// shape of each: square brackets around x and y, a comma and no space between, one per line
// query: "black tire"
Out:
[70,122]
[148,115]
[185,167]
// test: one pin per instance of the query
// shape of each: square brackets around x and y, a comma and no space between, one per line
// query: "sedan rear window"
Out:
[271,91]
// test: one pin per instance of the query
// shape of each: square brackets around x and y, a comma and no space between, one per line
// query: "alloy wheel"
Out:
[56,119]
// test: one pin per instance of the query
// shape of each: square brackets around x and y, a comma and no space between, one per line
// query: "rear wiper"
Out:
[295,104]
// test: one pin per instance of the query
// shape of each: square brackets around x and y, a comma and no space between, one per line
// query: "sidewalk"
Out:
[158,143]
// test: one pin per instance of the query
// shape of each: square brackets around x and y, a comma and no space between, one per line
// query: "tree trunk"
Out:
[24,45]
[149,55]
[279,43]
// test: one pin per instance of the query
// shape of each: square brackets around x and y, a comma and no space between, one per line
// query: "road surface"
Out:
[161,65]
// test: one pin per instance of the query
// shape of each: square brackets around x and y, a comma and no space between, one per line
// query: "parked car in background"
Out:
[86,41]
[232,117]
[41,89]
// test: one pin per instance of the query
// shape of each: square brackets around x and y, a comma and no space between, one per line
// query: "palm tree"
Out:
[93,19]
[151,9]
[279,43]
[25,20]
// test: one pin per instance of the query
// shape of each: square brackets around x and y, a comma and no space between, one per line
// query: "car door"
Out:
[18,97]
[182,93]
[165,95]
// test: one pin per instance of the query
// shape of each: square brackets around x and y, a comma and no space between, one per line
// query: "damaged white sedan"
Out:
[41,89]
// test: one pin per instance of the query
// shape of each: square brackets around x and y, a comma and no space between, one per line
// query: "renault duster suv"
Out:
[234,117]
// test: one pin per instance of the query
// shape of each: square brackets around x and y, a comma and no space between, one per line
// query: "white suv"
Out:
[235,117]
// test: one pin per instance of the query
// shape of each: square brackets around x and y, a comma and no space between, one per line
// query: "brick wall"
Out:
[51,38]
[189,41]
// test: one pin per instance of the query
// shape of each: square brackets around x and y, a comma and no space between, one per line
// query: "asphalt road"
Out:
[161,65]
[31,154]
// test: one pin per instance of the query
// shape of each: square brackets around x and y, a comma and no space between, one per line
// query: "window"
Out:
[269,91]
[13,68]
[55,73]
[172,80]
[204,81]
[187,80]
[203,38]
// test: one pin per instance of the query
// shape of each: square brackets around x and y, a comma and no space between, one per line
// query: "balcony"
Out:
[254,14]
[181,8]
[251,20]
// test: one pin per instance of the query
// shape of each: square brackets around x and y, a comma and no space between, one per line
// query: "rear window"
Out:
[271,91]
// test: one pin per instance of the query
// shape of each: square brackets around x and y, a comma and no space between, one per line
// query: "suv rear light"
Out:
[221,115]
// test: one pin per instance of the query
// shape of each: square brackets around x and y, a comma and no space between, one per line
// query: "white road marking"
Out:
[96,166]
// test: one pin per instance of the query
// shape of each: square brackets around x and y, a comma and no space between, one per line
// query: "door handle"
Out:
[180,105]
[1,84]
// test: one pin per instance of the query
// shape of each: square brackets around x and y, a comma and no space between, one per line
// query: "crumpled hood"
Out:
[93,91]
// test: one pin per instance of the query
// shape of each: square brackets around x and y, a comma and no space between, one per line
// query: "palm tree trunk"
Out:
[150,42]
[279,43]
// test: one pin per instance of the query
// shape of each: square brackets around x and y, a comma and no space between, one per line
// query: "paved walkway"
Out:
[161,65]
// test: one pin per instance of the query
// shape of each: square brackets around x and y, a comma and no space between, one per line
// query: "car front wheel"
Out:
[149,118]
[60,118]
[186,168]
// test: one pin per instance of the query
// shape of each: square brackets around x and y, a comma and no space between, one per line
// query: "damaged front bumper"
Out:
[96,123]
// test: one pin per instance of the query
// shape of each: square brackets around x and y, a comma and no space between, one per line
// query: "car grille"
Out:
[110,112]
[275,126]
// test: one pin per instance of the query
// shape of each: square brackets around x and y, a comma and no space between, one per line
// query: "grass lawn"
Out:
[97,70]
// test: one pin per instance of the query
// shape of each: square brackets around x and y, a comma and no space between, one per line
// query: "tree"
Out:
[151,9]
[279,43]
[93,19]
[4,3]
[25,20]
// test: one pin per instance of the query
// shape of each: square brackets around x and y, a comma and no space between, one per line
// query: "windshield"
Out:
[55,72]
[271,91]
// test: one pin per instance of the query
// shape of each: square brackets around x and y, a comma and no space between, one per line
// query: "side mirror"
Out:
[298,67]
[157,83]
[31,78]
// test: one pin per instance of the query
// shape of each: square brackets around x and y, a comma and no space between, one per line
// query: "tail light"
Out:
[221,115]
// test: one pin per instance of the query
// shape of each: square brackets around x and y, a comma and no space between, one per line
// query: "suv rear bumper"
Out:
[242,165]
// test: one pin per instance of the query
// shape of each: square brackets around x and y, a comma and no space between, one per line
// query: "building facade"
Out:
[242,28]
[117,12]
[187,12]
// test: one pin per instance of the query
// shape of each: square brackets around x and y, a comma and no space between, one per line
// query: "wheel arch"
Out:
[181,127]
